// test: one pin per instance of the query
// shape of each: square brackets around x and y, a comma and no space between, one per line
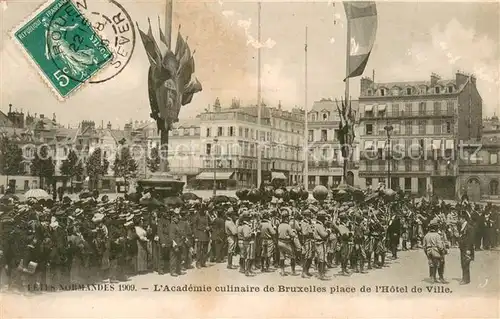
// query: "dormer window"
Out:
[325,116]
[382,92]
[450,89]
[369,92]
[408,91]
[437,89]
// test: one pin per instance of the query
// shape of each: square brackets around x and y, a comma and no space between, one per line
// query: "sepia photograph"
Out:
[244,159]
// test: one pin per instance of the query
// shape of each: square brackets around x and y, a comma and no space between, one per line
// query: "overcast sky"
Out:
[413,40]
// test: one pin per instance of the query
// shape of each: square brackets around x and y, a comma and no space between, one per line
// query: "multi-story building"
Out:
[480,169]
[325,160]
[426,120]
[230,139]
[491,127]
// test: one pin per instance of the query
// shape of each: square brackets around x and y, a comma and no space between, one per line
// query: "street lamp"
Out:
[215,167]
[388,128]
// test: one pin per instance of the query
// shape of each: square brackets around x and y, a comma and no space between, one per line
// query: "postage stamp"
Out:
[61,42]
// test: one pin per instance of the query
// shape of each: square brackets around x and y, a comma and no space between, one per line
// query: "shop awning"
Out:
[381,107]
[368,145]
[450,144]
[436,144]
[210,175]
[278,175]
[368,108]
[380,144]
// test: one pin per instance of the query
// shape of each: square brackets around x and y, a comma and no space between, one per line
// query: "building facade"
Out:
[325,160]
[480,169]
[409,132]
[231,137]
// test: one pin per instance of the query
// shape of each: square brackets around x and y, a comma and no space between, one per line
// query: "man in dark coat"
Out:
[201,228]
[466,245]
[176,241]
[162,236]
[393,234]
[218,236]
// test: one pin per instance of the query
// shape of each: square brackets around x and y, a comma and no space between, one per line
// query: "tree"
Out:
[97,166]
[72,166]
[11,157]
[43,165]
[153,161]
[125,166]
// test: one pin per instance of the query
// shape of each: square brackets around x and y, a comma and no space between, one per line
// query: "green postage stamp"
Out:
[61,42]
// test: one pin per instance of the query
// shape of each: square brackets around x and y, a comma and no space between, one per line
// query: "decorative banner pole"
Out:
[171,83]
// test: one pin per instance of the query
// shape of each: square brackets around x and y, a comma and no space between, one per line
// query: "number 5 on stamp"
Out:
[60,41]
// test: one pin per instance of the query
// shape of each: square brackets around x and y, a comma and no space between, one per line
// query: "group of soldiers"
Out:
[95,239]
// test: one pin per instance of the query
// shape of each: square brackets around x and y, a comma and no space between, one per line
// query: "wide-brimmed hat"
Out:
[98,217]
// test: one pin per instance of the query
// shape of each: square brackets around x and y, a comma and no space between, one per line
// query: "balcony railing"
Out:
[398,114]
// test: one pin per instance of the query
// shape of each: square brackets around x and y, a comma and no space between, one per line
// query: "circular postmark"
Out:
[101,26]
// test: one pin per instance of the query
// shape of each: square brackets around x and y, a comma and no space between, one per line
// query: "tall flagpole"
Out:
[259,150]
[168,22]
[306,140]
[347,66]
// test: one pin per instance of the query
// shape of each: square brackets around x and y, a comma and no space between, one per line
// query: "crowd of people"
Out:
[94,239]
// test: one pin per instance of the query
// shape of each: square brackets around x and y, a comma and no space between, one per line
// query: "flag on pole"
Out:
[362,29]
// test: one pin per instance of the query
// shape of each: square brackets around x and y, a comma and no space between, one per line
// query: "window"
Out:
[408,108]
[450,107]
[408,165]
[240,132]
[408,91]
[325,116]
[369,166]
[437,126]
[369,129]
[231,131]
[382,92]
[219,131]
[394,165]
[437,89]
[369,92]
[197,131]
[246,133]
[493,158]
[208,149]
[450,89]
[421,127]
[310,136]
[408,183]
[313,117]
[422,108]
[324,135]
[437,108]
[208,132]
[186,132]
[448,127]
[408,126]
[395,109]
[421,166]
[325,153]
[230,163]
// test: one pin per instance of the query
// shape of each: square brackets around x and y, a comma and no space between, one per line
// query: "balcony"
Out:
[405,114]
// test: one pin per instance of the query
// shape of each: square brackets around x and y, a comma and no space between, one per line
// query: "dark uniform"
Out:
[201,227]
[466,245]
[187,243]
[321,235]
[267,236]
[307,231]
[176,240]
[164,248]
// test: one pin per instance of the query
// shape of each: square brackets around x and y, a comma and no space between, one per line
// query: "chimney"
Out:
[217,106]
[54,117]
[279,105]
[434,79]
[461,78]
[10,108]
[42,116]
[366,83]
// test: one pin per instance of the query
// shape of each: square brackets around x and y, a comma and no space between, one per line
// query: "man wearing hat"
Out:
[320,235]
[176,239]
[186,247]
[466,245]
[267,235]
[307,231]
[435,251]
[245,237]
[231,233]
[288,242]
[201,225]
[162,233]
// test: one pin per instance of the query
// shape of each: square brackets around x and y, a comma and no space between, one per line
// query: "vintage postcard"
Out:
[244,159]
